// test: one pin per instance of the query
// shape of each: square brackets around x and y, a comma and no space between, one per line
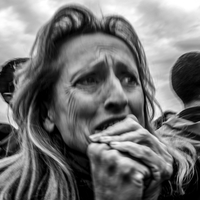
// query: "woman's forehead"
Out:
[84,52]
[94,43]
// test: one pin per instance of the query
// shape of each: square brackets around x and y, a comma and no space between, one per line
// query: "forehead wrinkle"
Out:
[109,61]
[107,52]
[105,48]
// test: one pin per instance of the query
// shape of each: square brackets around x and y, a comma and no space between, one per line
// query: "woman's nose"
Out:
[116,98]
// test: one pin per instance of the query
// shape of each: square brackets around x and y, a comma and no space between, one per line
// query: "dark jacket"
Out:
[81,170]
[8,140]
[186,123]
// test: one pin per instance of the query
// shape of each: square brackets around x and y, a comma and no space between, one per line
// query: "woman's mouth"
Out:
[105,125]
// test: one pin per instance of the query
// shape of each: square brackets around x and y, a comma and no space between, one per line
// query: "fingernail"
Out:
[114,143]
[105,139]
[94,137]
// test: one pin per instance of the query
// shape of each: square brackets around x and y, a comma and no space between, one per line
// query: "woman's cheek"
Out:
[87,105]
[82,109]
[136,104]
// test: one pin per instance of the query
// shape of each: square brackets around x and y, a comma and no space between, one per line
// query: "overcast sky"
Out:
[167,29]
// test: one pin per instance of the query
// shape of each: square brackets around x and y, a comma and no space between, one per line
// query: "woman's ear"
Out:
[48,122]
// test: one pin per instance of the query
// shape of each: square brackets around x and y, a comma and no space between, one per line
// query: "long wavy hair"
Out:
[41,170]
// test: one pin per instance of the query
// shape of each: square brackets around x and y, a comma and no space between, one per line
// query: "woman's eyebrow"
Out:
[100,65]
[94,66]
[126,66]
[97,64]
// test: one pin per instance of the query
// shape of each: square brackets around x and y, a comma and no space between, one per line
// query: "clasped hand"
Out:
[128,162]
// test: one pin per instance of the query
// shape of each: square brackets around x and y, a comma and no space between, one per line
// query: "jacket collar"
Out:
[183,124]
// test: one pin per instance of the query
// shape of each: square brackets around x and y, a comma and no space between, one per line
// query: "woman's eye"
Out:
[128,80]
[88,81]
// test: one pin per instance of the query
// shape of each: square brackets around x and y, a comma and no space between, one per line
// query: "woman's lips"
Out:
[107,123]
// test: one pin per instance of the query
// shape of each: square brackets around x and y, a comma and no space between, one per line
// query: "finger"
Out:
[126,125]
[96,149]
[134,172]
[129,166]
[138,179]
[142,137]
[110,158]
[96,154]
[158,165]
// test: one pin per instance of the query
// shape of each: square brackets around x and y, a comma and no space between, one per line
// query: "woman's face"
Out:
[99,85]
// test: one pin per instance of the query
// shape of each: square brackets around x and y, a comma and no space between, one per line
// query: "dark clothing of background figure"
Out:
[187,122]
[157,123]
[8,140]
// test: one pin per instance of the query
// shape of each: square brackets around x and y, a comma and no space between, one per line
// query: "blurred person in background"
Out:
[163,118]
[8,134]
[183,129]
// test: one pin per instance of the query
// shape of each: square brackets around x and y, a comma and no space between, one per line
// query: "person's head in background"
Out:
[7,77]
[7,87]
[185,78]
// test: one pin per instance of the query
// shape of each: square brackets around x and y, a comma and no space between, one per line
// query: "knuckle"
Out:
[168,157]
[118,138]
[91,146]
[147,150]
[144,134]
[113,154]
[138,179]
[90,149]
[168,171]
[127,165]
[164,168]
[157,175]
[165,153]
[126,169]
[109,156]
[95,149]
[138,176]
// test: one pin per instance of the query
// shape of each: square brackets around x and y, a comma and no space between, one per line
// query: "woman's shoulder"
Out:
[191,188]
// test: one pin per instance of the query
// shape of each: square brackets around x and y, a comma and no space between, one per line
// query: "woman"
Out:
[83,105]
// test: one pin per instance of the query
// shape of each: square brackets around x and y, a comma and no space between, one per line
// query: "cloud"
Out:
[166,32]
[166,29]
[30,13]
[164,21]
[188,44]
